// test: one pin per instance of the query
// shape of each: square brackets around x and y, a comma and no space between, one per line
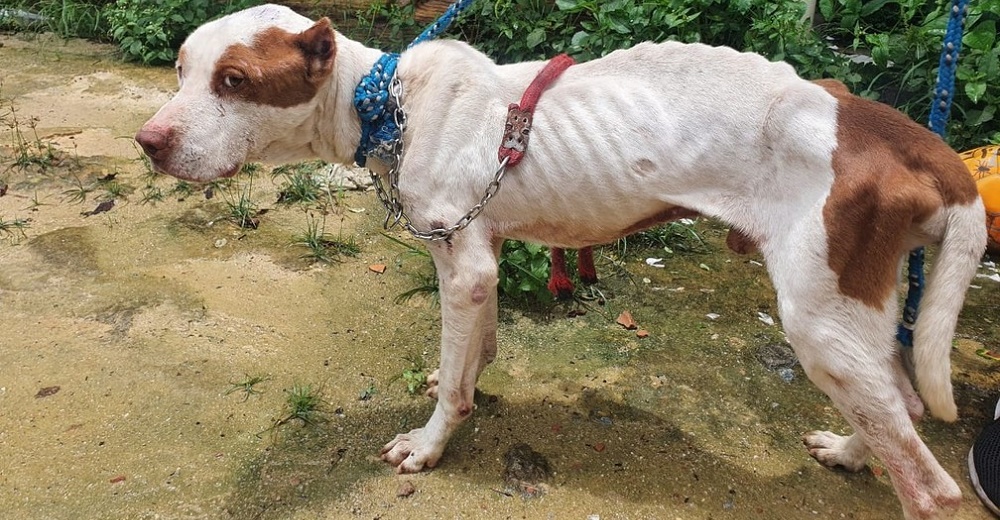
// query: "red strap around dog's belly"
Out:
[518,126]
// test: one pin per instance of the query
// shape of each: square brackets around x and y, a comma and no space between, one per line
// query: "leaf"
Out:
[625,320]
[535,37]
[614,5]
[982,37]
[867,8]
[975,90]
[567,5]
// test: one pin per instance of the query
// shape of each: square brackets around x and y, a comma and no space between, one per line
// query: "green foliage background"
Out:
[883,49]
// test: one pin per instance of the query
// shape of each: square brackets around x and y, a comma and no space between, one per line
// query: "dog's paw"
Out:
[432,385]
[408,453]
[832,450]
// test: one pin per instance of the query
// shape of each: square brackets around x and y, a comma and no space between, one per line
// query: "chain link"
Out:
[393,152]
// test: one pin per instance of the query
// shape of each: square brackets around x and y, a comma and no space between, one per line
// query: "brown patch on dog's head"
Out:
[279,68]
[891,175]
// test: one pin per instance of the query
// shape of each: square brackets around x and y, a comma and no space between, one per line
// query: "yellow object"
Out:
[984,165]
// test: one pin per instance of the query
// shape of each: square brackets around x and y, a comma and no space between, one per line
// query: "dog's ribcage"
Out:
[619,140]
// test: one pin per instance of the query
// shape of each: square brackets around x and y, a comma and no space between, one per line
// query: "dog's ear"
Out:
[319,46]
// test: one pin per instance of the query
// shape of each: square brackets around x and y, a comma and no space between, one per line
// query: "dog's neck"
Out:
[335,137]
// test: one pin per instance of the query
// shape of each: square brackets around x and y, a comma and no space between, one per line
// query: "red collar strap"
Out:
[518,126]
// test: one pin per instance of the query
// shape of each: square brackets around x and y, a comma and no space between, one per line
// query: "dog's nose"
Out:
[155,142]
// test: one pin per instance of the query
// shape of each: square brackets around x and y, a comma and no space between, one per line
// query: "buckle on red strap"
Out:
[514,143]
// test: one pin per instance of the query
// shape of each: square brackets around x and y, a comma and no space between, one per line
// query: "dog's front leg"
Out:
[467,272]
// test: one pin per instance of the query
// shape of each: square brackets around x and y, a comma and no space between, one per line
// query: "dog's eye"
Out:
[232,81]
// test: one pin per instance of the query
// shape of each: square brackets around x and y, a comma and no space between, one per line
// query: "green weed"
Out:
[29,151]
[304,405]
[151,194]
[78,194]
[427,280]
[113,189]
[247,386]
[414,375]
[679,236]
[299,185]
[242,210]
[321,246]
[182,190]
[13,228]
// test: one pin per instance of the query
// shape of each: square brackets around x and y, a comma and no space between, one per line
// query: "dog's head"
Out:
[249,82]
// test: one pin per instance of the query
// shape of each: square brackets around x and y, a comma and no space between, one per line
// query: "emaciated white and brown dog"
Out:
[832,188]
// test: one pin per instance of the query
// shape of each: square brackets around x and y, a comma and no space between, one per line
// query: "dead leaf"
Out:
[47,391]
[101,208]
[599,447]
[377,268]
[625,320]
[642,333]
[406,489]
[117,479]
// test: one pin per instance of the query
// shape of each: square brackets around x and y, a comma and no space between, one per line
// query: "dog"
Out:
[831,188]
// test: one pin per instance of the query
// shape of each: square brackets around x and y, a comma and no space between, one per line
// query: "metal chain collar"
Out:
[392,154]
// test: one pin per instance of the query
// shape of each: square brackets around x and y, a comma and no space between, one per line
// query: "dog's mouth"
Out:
[164,167]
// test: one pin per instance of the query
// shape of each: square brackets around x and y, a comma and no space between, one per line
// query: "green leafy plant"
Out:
[152,31]
[524,271]
[414,375]
[388,25]
[887,50]
[67,18]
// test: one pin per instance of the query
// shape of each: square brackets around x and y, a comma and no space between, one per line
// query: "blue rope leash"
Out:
[371,96]
[940,109]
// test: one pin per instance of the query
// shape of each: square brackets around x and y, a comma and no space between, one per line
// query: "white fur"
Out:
[615,141]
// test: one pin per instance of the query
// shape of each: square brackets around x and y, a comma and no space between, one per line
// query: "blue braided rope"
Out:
[441,24]
[940,109]
[371,96]
[370,99]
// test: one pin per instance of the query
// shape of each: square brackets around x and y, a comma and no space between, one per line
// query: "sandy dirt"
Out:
[124,333]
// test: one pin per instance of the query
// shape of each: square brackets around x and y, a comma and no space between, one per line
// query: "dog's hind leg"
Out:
[467,272]
[851,452]
[848,351]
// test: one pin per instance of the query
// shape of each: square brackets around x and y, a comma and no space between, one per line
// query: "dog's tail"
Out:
[962,246]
